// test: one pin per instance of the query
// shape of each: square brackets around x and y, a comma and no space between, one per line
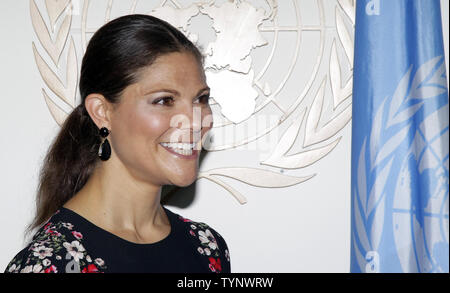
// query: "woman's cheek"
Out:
[155,124]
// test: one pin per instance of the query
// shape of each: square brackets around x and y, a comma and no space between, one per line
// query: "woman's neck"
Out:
[115,201]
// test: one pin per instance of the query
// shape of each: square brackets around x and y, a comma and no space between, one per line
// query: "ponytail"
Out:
[67,165]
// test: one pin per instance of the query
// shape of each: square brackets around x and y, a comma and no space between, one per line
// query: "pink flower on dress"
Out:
[77,235]
[214,264]
[55,233]
[46,226]
[42,251]
[184,219]
[50,230]
[75,249]
[51,269]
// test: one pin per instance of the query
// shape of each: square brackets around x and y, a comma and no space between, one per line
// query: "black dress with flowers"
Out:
[70,243]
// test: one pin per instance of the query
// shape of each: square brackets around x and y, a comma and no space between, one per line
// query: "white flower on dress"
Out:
[42,251]
[75,249]
[37,268]
[200,250]
[46,262]
[207,251]
[12,268]
[27,269]
[227,254]
[207,238]
[68,225]
[99,261]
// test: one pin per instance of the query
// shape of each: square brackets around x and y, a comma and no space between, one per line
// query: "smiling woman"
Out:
[104,214]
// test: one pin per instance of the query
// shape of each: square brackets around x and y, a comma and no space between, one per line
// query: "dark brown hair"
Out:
[113,58]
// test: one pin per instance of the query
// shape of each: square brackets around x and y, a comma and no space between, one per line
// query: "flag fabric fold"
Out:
[400,132]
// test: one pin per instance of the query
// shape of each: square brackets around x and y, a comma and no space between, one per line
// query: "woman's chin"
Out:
[184,181]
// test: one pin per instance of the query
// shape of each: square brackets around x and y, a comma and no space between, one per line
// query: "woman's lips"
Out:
[194,154]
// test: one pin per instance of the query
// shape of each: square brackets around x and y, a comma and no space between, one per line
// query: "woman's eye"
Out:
[168,101]
[204,99]
[164,99]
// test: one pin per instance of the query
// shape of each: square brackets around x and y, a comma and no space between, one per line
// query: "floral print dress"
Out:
[69,243]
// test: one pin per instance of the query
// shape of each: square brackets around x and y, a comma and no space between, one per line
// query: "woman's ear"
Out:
[99,109]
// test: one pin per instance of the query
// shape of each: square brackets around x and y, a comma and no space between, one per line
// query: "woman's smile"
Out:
[182,150]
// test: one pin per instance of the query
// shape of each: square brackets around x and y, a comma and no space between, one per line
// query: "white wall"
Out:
[26,127]
[301,228]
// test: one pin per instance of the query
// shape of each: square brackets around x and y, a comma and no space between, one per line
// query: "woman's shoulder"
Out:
[209,242]
[56,247]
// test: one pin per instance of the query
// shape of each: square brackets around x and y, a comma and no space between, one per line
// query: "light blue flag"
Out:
[400,131]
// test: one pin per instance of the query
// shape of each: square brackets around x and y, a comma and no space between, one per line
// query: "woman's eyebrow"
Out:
[175,92]
[164,90]
[203,89]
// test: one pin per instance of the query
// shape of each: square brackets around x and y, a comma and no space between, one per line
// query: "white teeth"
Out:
[180,148]
[183,146]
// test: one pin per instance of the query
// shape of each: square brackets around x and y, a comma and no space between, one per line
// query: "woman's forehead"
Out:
[172,69]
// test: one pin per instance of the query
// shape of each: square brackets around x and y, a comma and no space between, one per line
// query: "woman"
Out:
[98,204]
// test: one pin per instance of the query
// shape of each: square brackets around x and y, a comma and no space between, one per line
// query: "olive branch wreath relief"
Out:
[55,41]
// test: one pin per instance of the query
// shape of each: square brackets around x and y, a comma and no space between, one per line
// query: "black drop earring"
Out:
[104,152]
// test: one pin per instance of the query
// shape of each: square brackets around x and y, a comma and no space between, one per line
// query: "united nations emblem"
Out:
[286,78]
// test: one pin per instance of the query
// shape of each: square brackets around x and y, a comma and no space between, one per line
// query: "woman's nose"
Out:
[189,122]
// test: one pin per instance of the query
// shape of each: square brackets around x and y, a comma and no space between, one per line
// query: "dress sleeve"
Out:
[50,251]
[220,260]
[37,258]
[224,252]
